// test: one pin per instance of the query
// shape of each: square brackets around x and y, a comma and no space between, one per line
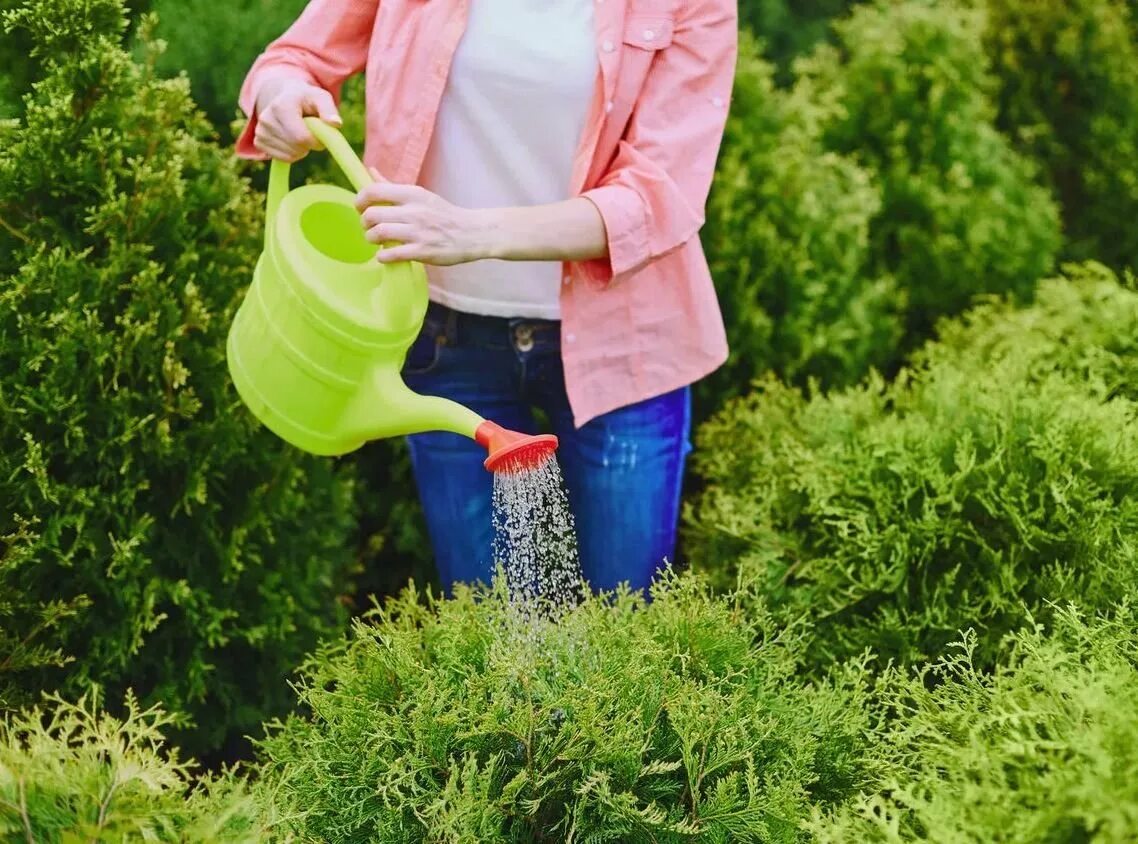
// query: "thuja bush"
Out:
[789,29]
[788,240]
[682,720]
[907,92]
[1044,749]
[72,772]
[154,535]
[1068,96]
[1083,324]
[897,515]
[215,43]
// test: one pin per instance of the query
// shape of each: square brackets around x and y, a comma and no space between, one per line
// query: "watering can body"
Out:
[319,341]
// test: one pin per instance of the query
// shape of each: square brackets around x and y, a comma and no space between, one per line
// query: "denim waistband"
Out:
[465,329]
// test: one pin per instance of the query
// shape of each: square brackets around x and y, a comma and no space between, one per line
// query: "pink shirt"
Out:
[645,320]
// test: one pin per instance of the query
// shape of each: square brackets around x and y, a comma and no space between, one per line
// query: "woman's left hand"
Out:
[423,226]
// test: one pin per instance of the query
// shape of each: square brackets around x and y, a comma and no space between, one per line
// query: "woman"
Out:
[549,161]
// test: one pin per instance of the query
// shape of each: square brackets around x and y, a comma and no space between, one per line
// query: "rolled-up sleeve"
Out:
[653,194]
[325,45]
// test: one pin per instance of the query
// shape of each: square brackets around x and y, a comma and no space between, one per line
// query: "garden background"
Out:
[904,608]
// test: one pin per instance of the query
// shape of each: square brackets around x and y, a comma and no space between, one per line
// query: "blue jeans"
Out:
[623,470]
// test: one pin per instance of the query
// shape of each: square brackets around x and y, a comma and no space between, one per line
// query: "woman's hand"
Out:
[418,225]
[282,105]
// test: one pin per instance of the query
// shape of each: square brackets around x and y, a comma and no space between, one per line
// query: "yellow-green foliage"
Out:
[1044,749]
[153,533]
[788,244]
[70,772]
[681,720]
[895,515]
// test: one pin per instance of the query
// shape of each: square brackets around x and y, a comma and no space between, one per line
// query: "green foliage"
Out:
[154,533]
[70,772]
[1045,749]
[788,243]
[789,28]
[1083,324]
[215,43]
[680,720]
[956,496]
[1068,96]
[908,94]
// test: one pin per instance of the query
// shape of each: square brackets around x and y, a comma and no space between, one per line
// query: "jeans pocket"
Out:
[423,356]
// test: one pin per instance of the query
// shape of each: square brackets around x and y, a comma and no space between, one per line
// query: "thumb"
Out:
[325,106]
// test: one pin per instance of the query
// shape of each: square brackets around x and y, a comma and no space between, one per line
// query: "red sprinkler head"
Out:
[511,451]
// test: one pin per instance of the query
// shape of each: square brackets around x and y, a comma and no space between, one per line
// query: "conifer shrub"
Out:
[1068,97]
[894,516]
[787,238]
[155,536]
[682,720]
[1083,324]
[908,93]
[789,28]
[72,772]
[1044,749]
[215,43]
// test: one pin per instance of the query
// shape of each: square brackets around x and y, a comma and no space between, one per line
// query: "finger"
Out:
[388,192]
[390,233]
[375,174]
[294,132]
[280,153]
[373,215]
[319,102]
[274,148]
[403,252]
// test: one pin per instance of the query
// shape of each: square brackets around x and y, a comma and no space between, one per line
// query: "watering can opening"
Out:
[334,230]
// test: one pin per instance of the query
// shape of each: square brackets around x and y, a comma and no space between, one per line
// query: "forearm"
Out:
[572,230]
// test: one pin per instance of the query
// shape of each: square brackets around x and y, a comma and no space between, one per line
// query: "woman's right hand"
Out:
[282,105]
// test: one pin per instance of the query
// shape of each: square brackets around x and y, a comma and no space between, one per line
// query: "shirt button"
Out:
[607,47]
[566,280]
[570,338]
[608,106]
[717,102]
[649,35]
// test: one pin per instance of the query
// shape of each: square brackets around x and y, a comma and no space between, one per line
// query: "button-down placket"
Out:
[416,151]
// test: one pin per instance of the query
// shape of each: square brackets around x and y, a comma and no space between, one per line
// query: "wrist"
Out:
[491,235]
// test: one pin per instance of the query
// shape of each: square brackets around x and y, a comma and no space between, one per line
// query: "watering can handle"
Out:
[341,152]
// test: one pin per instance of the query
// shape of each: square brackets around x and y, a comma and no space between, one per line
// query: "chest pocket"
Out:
[645,35]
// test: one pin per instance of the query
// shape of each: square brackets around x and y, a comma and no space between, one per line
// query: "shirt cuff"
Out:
[625,216]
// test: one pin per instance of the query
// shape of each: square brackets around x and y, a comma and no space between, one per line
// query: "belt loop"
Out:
[451,329]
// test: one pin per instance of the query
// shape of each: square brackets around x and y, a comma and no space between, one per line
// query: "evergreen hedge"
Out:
[215,43]
[1068,96]
[961,495]
[1044,749]
[677,721]
[155,536]
[787,239]
[908,93]
[850,213]
[71,772]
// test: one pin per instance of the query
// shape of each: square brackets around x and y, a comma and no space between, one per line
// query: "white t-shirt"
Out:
[508,126]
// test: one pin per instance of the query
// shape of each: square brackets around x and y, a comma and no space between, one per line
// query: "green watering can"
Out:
[318,344]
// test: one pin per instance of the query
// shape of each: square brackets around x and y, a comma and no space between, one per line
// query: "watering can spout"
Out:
[404,411]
